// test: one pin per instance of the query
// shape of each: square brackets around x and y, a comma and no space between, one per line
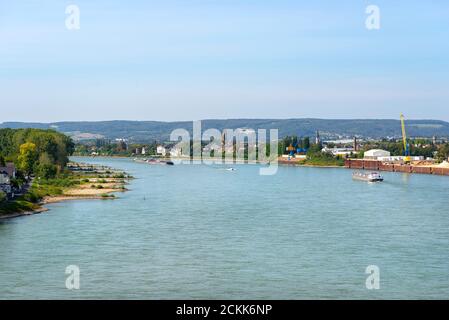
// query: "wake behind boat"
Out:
[368,177]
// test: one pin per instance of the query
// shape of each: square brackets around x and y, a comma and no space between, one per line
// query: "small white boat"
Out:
[368,177]
[230,169]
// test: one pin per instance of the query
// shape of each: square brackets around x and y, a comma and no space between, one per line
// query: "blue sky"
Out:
[199,59]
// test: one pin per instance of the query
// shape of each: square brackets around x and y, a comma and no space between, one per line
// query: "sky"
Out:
[201,59]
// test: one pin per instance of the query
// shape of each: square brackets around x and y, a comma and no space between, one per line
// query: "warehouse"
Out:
[374,154]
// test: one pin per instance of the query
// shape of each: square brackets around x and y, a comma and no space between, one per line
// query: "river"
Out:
[202,232]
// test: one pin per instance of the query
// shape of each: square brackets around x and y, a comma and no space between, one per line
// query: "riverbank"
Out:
[281,160]
[99,189]
[302,163]
[25,213]
[144,239]
[375,165]
[82,182]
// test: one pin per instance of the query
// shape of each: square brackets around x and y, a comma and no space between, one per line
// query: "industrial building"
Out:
[375,154]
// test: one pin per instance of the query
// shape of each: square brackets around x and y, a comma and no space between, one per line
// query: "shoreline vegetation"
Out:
[81,182]
[36,171]
[310,154]
[332,163]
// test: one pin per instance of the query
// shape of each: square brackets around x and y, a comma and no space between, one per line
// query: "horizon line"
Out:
[225,119]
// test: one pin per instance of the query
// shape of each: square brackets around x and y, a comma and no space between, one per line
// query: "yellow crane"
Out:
[404,140]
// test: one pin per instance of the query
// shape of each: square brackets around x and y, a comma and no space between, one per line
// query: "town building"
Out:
[317,138]
[5,183]
[176,152]
[9,169]
[7,173]
[160,150]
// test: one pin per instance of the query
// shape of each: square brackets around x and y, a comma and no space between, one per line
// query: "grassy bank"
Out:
[323,162]
[17,206]
[95,184]
[315,160]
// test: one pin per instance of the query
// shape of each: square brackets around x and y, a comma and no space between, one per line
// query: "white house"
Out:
[4,178]
[9,169]
[5,182]
[161,150]
[175,152]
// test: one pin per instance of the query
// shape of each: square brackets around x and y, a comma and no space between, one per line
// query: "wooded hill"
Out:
[147,131]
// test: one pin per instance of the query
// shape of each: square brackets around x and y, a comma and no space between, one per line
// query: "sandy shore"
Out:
[87,191]
[69,195]
[56,199]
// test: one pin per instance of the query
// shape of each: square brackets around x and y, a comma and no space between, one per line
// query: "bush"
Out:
[16,206]
[17,182]
[32,197]
[59,182]
[46,171]
[319,158]
[2,196]
[40,191]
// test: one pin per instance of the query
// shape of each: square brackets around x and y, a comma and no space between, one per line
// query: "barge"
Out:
[155,161]
[367,177]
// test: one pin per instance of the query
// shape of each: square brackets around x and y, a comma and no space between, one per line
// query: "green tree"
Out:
[306,143]
[28,157]
[443,152]
[45,158]
[46,171]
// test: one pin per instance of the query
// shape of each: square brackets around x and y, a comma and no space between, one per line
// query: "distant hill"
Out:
[144,131]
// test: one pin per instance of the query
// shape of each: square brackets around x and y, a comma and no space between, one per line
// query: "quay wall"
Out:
[423,170]
[361,164]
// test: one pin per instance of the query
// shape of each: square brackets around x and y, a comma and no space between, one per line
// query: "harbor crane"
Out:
[404,140]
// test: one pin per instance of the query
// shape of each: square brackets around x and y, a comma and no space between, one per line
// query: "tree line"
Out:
[42,153]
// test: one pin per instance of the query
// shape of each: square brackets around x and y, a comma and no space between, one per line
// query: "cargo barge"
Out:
[367,177]
[155,161]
